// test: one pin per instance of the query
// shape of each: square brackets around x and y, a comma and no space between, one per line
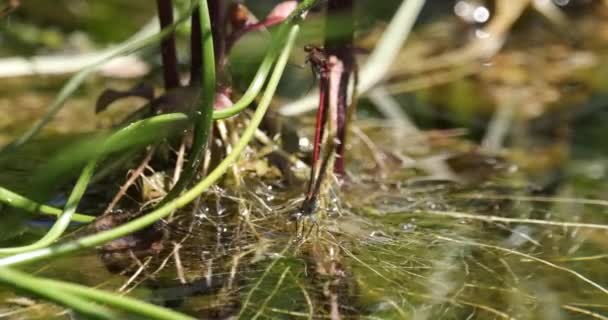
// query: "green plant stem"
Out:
[64,219]
[252,91]
[204,114]
[260,76]
[137,133]
[129,47]
[115,140]
[25,282]
[382,58]
[184,199]
[74,83]
[20,202]
[258,80]
[304,6]
[131,305]
[256,84]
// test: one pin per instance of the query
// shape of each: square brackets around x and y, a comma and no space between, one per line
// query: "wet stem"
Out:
[167,45]
[72,296]
[180,201]
[203,118]
[338,68]
[341,46]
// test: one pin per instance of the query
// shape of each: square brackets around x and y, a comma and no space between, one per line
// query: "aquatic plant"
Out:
[227,213]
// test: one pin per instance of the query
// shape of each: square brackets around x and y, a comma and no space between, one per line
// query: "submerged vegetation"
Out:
[454,169]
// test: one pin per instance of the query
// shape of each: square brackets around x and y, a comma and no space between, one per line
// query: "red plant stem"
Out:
[341,46]
[339,168]
[167,45]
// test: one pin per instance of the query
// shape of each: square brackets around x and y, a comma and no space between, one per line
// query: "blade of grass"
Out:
[139,133]
[130,46]
[27,283]
[256,85]
[258,80]
[136,135]
[184,199]
[304,6]
[134,44]
[64,219]
[260,76]
[20,202]
[204,115]
[131,305]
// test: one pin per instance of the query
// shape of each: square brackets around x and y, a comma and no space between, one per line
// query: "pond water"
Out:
[495,207]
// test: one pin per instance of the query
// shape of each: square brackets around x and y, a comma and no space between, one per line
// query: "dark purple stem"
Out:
[217,10]
[167,45]
[340,16]
[196,56]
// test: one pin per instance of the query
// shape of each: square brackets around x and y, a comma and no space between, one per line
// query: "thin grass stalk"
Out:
[64,219]
[136,135]
[304,6]
[124,303]
[20,202]
[258,80]
[74,83]
[181,201]
[27,283]
[204,114]
[131,46]
[140,132]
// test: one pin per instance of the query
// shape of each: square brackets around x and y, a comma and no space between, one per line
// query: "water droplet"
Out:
[463,9]
[481,14]
[408,227]
[304,143]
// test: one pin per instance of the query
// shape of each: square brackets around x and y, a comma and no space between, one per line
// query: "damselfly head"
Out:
[317,59]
